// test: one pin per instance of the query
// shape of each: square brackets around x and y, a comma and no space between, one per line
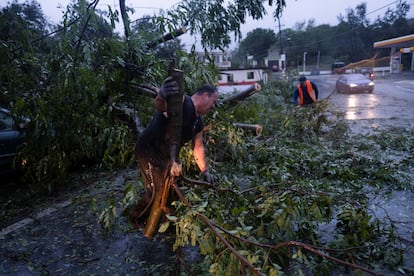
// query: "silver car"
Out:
[354,83]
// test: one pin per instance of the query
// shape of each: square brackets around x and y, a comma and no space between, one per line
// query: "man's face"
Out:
[209,101]
[303,83]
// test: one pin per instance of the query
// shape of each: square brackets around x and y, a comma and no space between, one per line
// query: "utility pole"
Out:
[280,35]
[282,54]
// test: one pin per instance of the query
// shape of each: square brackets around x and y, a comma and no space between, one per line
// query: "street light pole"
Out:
[304,62]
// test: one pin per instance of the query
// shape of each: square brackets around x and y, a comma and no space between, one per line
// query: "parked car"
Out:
[338,67]
[354,83]
[12,135]
[367,72]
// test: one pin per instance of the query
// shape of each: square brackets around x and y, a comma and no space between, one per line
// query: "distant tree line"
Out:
[349,41]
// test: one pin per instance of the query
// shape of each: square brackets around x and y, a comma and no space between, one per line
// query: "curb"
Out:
[22,223]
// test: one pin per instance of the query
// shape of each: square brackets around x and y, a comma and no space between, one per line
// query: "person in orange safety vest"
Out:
[305,93]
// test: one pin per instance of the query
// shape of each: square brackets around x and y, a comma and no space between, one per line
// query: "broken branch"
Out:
[257,129]
[172,35]
[242,95]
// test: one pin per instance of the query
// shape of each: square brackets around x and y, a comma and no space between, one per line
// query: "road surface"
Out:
[391,104]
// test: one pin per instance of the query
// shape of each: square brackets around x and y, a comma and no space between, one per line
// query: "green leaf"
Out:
[171,217]
[164,227]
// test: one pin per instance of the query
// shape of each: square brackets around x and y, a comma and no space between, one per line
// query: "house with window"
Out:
[234,76]
[275,60]
[242,76]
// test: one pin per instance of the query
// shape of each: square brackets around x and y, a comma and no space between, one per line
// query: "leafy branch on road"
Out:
[305,181]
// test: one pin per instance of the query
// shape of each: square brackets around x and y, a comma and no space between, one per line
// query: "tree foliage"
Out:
[297,181]
[257,44]
[75,84]
[215,21]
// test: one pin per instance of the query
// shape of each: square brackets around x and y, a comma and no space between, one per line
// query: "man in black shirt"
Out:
[152,149]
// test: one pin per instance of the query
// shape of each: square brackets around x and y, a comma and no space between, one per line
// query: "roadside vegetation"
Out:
[295,199]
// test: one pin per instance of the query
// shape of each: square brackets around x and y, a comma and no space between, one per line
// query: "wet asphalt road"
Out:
[391,104]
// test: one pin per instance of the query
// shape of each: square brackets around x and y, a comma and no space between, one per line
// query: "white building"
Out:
[275,61]
[221,59]
[243,76]
[233,76]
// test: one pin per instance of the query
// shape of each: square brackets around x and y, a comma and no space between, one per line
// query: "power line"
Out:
[382,7]
[348,31]
[343,33]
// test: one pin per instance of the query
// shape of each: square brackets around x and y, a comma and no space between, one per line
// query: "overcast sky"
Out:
[323,11]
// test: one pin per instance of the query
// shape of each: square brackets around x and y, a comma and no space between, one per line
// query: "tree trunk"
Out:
[125,18]
[173,139]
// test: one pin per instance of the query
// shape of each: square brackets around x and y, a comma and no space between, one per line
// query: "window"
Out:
[250,75]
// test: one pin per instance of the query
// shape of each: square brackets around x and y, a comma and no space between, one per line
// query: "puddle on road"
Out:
[398,208]
[369,114]
[358,106]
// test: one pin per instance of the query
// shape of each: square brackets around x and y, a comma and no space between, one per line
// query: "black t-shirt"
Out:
[152,140]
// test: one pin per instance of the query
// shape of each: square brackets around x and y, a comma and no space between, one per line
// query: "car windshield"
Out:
[7,121]
[356,77]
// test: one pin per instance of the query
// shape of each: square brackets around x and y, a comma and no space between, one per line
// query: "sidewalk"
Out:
[405,75]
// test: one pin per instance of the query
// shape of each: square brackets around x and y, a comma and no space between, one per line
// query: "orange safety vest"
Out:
[310,92]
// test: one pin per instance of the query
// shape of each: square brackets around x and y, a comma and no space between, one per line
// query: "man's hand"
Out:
[207,177]
[176,169]
[168,87]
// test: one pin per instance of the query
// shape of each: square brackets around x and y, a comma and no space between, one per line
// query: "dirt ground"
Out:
[61,235]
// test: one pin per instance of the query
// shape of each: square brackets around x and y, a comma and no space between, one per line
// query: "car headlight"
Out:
[371,83]
[353,85]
